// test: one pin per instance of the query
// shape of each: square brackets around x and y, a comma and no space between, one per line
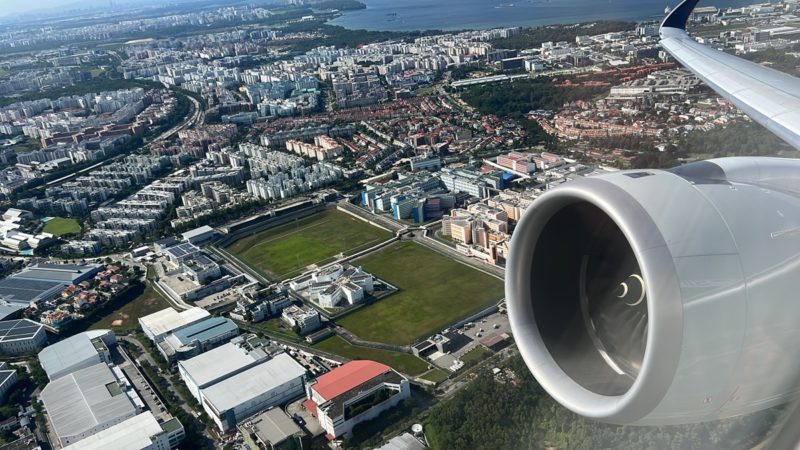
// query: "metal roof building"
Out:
[269,384]
[21,336]
[142,432]
[199,235]
[43,281]
[197,338]
[26,292]
[159,324]
[217,364]
[76,352]
[10,309]
[8,378]
[84,402]
[273,427]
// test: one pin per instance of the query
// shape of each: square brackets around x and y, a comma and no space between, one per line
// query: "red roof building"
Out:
[355,392]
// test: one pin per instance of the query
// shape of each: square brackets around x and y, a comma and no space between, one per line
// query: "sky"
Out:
[20,6]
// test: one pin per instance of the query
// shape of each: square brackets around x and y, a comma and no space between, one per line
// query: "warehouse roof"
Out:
[350,375]
[274,426]
[133,434]
[85,399]
[168,320]
[5,374]
[253,382]
[22,290]
[73,352]
[197,232]
[14,330]
[63,273]
[10,309]
[205,330]
[220,362]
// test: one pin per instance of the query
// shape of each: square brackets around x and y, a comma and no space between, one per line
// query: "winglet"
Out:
[678,17]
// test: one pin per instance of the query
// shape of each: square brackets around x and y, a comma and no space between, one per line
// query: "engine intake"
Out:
[662,297]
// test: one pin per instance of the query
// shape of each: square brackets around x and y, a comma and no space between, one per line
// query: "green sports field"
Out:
[285,251]
[60,226]
[434,292]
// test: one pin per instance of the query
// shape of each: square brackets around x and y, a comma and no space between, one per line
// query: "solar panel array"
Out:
[181,250]
[18,329]
[17,289]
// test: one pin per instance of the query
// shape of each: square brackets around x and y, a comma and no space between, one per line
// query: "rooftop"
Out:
[350,375]
[197,232]
[63,273]
[253,382]
[132,434]
[167,320]
[82,400]
[10,309]
[5,375]
[274,426]
[14,330]
[23,290]
[182,250]
[206,329]
[74,351]
[218,363]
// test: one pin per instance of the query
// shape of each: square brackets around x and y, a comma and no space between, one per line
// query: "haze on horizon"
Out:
[16,7]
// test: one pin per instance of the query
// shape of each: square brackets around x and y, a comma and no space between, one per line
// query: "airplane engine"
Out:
[655,297]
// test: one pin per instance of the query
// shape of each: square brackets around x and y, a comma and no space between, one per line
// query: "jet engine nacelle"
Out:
[657,297]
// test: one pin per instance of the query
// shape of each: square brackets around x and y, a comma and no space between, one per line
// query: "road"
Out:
[149,359]
[196,117]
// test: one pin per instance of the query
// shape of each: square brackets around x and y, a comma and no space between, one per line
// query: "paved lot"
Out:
[311,424]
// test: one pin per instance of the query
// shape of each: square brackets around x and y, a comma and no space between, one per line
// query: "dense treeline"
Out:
[515,99]
[781,59]
[739,139]
[533,37]
[462,72]
[341,5]
[520,415]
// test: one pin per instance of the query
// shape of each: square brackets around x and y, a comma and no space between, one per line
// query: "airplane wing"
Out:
[769,97]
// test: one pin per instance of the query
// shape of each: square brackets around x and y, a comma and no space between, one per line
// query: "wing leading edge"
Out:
[769,97]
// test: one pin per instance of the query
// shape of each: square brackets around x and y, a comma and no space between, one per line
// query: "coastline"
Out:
[455,15]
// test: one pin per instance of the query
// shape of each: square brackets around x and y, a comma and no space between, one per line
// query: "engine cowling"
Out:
[663,297]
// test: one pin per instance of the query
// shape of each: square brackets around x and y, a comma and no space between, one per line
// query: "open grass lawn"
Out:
[476,355]
[126,318]
[403,362]
[287,250]
[436,375]
[434,292]
[60,226]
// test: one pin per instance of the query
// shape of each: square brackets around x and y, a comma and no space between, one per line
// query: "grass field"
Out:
[281,252]
[476,355]
[126,318]
[60,226]
[403,362]
[435,375]
[434,292]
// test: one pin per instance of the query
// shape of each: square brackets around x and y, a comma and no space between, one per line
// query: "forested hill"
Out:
[489,415]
